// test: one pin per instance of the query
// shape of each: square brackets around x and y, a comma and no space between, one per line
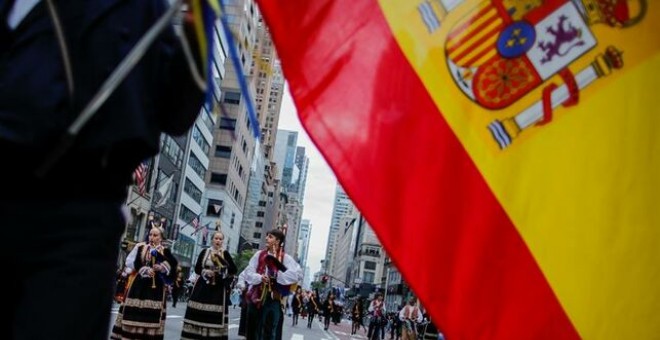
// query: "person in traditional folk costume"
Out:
[410,316]
[329,308]
[313,308]
[357,313]
[296,305]
[377,311]
[144,310]
[207,314]
[270,277]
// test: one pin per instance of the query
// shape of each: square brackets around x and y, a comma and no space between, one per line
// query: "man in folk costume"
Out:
[410,316]
[270,275]
[377,311]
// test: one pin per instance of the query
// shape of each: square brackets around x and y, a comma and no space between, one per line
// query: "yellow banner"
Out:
[556,103]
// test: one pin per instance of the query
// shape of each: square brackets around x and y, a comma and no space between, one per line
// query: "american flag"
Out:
[195,224]
[140,174]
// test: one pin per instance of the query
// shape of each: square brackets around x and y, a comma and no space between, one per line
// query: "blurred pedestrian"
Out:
[329,307]
[357,313]
[177,286]
[235,297]
[296,305]
[313,308]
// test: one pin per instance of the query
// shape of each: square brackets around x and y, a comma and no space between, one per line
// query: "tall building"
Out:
[299,178]
[262,188]
[367,270]
[233,146]
[341,206]
[285,158]
[285,153]
[191,206]
[304,237]
[293,210]
[197,217]
[346,237]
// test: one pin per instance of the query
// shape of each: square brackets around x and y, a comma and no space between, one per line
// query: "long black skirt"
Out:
[207,314]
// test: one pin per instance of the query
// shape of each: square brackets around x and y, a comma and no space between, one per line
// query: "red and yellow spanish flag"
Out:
[506,152]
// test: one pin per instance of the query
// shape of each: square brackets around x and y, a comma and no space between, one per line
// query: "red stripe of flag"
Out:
[399,161]
[140,174]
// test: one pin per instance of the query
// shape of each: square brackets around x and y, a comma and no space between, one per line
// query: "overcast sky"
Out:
[320,188]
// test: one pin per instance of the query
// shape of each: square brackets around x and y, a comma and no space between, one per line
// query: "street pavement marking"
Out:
[296,336]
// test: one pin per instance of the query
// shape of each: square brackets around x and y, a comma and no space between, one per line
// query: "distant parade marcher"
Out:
[377,311]
[244,322]
[235,297]
[144,310]
[177,286]
[410,316]
[329,308]
[207,313]
[395,327]
[357,313]
[313,308]
[296,305]
[305,300]
[270,278]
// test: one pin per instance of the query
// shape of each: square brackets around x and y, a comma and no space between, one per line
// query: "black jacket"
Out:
[35,107]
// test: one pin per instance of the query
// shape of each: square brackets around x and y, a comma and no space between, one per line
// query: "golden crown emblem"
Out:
[614,13]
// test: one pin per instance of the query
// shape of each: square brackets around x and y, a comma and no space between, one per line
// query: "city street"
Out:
[341,331]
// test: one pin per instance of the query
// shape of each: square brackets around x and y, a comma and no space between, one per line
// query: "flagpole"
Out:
[155,185]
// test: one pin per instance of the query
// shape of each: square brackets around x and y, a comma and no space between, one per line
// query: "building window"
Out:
[217,178]
[199,139]
[232,97]
[258,224]
[228,124]
[370,265]
[196,165]
[192,191]
[186,214]
[173,151]
[222,151]
[256,235]
[368,277]
[214,208]
[260,214]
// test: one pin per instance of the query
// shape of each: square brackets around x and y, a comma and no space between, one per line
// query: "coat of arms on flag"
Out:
[505,51]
